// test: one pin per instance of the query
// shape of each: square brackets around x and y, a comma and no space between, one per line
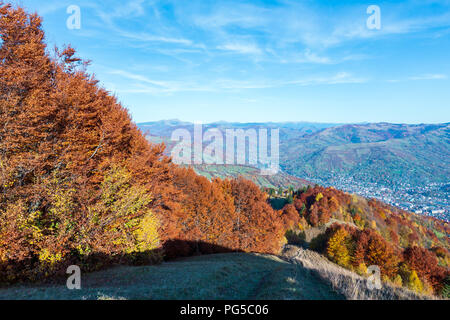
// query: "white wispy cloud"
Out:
[134,10]
[143,84]
[145,37]
[339,78]
[300,22]
[140,78]
[242,48]
[307,56]
[422,77]
[429,77]
[121,10]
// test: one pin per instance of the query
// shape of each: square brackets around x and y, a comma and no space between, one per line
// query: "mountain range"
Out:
[382,153]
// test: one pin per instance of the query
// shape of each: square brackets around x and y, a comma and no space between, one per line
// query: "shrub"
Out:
[398,281]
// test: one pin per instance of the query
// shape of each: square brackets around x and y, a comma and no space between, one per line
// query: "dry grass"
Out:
[346,282]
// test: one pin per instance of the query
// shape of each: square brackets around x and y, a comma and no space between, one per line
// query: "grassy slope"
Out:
[301,275]
[221,276]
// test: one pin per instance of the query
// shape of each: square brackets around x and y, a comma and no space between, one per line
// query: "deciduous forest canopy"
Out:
[80,183]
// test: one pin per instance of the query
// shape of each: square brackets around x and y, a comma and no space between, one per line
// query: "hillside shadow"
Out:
[176,248]
[34,271]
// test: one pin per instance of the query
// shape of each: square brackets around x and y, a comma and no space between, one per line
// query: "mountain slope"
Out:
[221,276]
[281,179]
[288,130]
[357,233]
[382,153]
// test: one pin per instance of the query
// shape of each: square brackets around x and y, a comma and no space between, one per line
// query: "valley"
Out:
[404,165]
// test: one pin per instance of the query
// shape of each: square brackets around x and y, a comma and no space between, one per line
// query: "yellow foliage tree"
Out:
[398,282]
[414,282]
[361,269]
[319,196]
[122,214]
[337,249]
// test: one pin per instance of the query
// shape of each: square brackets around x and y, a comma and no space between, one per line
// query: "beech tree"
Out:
[80,183]
[60,135]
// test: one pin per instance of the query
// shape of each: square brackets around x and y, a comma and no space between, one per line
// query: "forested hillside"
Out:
[410,250]
[401,164]
[80,184]
[379,153]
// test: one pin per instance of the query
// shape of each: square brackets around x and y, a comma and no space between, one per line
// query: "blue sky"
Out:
[257,61]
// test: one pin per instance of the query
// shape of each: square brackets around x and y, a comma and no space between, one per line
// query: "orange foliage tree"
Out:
[79,183]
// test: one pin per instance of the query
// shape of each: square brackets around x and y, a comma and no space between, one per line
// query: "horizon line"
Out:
[293,122]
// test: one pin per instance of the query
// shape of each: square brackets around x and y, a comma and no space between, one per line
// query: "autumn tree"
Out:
[337,249]
[381,253]
[359,254]
[207,214]
[60,136]
[257,226]
[290,216]
[425,263]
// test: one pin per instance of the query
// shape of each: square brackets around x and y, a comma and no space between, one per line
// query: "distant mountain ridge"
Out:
[164,128]
[382,153]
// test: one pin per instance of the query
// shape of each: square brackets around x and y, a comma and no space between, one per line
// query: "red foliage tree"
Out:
[359,254]
[425,263]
